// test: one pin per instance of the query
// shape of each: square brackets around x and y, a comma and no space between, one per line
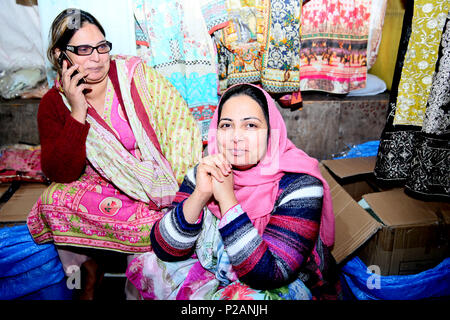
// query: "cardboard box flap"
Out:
[445,216]
[350,167]
[19,205]
[395,208]
[353,224]
[3,189]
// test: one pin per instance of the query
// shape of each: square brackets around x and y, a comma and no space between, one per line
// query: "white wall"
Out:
[20,38]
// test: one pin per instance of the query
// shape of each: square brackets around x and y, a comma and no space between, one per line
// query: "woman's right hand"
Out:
[74,92]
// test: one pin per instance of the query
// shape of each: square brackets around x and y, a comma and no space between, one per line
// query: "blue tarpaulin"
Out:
[365,285]
[366,149]
[29,270]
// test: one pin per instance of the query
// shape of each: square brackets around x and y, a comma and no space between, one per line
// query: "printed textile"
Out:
[208,275]
[176,42]
[260,44]
[95,212]
[21,163]
[292,46]
[414,148]
[334,37]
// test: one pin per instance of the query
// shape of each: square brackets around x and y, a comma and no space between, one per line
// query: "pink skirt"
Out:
[91,212]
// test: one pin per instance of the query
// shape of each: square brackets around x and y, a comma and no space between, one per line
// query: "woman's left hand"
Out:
[223,192]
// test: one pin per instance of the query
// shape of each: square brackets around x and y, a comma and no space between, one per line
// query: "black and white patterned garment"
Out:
[413,156]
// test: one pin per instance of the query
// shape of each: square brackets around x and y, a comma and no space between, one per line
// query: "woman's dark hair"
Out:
[64,27]
[247,90]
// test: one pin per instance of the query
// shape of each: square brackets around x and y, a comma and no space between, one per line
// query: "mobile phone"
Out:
[63,56]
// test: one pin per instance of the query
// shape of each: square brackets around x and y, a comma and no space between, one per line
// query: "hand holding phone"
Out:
[75,97]
[63,56]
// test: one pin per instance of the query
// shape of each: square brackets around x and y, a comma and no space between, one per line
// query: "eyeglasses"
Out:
[85,50]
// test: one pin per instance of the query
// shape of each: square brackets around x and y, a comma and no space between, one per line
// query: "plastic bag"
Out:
[29,270]
[366,149]
[365,285]
[15,82]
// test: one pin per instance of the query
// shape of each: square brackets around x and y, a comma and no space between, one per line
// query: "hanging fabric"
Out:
[334,38]
[173,37]
[241,43]
[261,44]
[414,148]
[281,59]
[377,14]
[384,65]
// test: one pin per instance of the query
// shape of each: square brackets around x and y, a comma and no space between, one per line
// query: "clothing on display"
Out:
[414,149]
[177,43]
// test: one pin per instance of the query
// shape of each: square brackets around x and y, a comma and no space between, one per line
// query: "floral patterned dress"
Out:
[95,212]
[206,275]
[93,207]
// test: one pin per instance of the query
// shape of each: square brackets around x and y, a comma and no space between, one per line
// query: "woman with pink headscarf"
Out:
[253,220]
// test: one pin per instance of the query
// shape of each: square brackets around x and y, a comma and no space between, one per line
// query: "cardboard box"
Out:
[17,208]
[399,234]
[3,188]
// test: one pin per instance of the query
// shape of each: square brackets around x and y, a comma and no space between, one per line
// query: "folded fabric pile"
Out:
[21,163]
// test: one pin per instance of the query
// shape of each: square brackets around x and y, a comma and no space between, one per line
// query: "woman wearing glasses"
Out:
[116,140]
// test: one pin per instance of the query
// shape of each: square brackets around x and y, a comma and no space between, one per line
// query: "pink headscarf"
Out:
[256,189]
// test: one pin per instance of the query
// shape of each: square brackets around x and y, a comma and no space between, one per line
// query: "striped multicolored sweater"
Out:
[289,247]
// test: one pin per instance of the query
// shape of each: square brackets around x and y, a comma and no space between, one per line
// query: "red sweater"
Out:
[62,138]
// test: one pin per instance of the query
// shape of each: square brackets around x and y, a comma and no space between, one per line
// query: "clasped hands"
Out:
[214,180]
